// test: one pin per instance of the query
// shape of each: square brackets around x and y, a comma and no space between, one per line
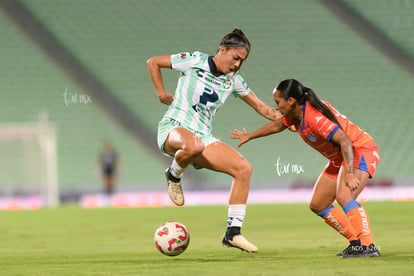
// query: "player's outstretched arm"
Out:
[260,107]
[270,128]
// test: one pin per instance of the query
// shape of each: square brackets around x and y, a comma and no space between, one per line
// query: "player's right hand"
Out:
[351,181]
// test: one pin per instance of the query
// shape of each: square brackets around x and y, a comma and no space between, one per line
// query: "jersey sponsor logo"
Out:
[202,109]
[202,75]
[207,96]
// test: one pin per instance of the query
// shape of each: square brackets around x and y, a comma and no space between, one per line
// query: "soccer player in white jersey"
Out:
[185,131]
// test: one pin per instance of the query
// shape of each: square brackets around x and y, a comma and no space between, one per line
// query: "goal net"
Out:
[28,162]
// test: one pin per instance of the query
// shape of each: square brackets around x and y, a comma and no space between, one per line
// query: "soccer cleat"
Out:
[371,251]
[353,251]
[175,190]
[240,242]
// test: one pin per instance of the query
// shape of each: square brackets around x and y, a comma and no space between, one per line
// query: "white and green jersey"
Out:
[201,90]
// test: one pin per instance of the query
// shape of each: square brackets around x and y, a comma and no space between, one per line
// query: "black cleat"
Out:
[371,251]
[354,250]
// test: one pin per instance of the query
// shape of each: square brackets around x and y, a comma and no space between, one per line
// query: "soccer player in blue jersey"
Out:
[185,130]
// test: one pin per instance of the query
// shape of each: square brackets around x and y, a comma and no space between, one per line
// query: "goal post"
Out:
[28,162]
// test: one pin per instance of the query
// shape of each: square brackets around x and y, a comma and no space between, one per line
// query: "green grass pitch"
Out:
[291,241]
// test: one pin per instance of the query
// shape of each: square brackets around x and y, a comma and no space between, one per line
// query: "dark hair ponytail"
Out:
[236,39]
[293,88]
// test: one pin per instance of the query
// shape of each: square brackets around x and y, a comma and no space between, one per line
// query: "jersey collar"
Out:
[213,67]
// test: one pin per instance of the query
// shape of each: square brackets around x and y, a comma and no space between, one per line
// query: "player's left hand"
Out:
[242,136]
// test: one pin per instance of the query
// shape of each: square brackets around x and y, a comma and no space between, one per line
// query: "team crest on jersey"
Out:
[227,83]
[311,137]
[183,55]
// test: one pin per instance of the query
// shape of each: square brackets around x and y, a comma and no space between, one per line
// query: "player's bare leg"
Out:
[356,213]
[184,146]
[324,194]
[222,158]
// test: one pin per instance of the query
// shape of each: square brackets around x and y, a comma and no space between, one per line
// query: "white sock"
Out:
[176,169]
[236,213]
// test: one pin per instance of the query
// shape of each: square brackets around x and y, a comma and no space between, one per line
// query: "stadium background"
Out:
[100,48]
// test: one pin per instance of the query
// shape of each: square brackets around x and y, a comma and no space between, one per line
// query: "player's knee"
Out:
[314,207]
[245,170]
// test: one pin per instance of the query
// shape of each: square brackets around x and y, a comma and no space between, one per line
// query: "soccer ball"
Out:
[171,238]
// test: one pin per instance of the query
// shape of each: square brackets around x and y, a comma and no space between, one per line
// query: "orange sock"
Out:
[360,222]
[335,218]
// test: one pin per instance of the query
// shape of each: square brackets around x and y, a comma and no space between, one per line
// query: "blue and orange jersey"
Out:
[317,131]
